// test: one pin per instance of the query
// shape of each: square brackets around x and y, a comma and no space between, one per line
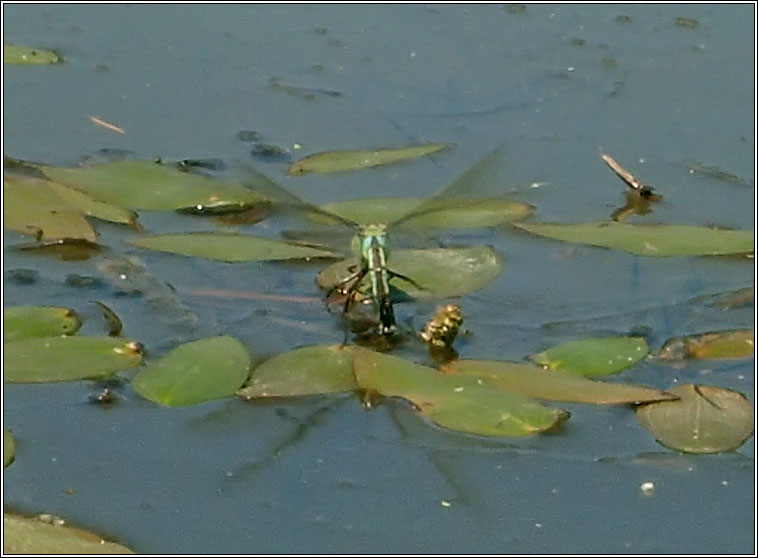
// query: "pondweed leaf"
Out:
[47,534]
[733,343]
[227,247]
[649,240]
[594,357]
[350,160]
[705,419]
[62,359]
[38,321]
[553,385]
[194,372]
[305,371]
[465,404]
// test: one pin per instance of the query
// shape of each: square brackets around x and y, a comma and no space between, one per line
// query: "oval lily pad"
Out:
[149,185]
[38,321]
[9,448]
[63,359]
[739,343]
[465,404]
[553,385]
[195,372]
[594,357]
[455,214]
[23,535]
[21,55]
[705,419]
[649,240]
[441,272]
[304,371]
[350,160]
[30,206]
[226,247]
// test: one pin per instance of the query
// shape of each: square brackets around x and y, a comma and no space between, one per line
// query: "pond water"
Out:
[560,84]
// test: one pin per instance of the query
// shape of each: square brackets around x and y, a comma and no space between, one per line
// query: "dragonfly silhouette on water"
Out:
[372,221]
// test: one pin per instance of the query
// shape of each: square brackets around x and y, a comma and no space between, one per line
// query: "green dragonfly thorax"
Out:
[367,238]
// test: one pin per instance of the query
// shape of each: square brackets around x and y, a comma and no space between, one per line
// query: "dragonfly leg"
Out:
[406,278]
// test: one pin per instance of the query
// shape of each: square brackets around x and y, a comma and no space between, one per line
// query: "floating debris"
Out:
[687,22]
[270,153]
[106,125]
[248,135]
[300,91]
[713,172]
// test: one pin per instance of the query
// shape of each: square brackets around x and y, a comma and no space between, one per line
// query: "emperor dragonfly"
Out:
[458,205]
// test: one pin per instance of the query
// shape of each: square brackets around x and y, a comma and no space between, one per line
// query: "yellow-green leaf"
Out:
[461,403]
[30,206]
[195,372]
[594,357]
[20,55]
[340,161]
[22,535]
[149,185]
[304,371]
[229,247]
[739,343]
[553,385]
[705,419]
[649,240]
[38,321]
[62,359]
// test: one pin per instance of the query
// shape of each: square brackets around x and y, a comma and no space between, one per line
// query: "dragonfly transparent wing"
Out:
[277,194]
[484,180]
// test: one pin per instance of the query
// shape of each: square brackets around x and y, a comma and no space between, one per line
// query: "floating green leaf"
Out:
[15,54]
[38,321]
[594,357]
[229,247]
[195,372]
[305,371]
[454,214]
[705,419]
[441,272]
[553,385]
[649,240]
[148,185]
[50,535]
[93,207]
[9,448]
[739,343]
[340,161]
[30,206]
[461,403]
[62,359]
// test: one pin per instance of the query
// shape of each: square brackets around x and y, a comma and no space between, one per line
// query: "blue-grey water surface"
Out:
[560,84]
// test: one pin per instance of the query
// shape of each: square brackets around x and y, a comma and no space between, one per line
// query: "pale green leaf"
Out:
[61,359]
[340,161]
[195,372]
[594,357]
[553,385]
[229,247]
[38,321]
[705,419]
[22,535]
[649,240]
[305,371]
